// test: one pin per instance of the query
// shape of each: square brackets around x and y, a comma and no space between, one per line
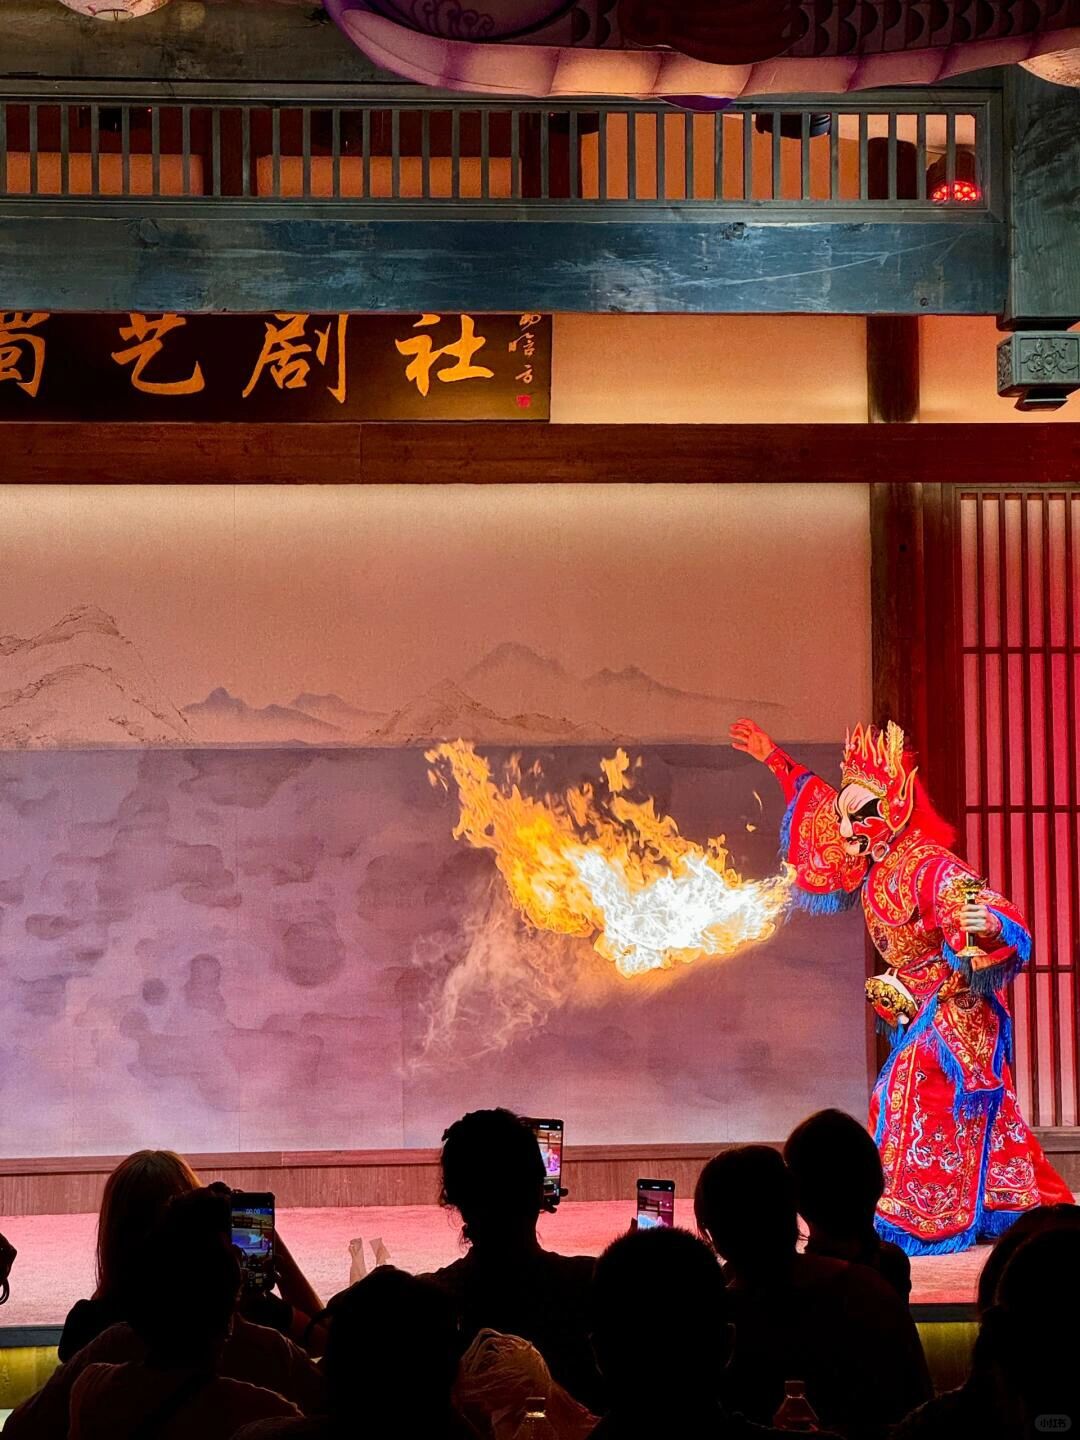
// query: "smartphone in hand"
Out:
[655,1204]
[549,1136]
[253,1238]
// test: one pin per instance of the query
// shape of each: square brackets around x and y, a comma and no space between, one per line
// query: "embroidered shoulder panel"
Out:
[822,865]
[896,885]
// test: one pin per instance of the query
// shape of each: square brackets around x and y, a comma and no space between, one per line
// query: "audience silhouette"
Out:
[1032,1222]
[803,1317]
[1024,1379]
[664,1371]
[136,1195]
[392,1352]
[251,1353]
[7,1260]
[493,1175]
[656,1337]
[176,1390]
[836,1171]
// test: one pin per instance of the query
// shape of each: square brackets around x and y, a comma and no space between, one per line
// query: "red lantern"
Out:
[962,189]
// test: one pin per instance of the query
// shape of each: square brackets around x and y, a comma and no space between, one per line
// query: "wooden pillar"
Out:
[915,641]
[892,341]
[892,369]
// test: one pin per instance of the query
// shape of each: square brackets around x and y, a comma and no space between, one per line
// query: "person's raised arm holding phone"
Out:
[266,1264]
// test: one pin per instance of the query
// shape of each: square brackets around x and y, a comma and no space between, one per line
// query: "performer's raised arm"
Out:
[752,740]
[827,876]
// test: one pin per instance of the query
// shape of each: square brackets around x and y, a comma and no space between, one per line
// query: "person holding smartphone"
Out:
[178,1388]
[267,1264]
[493,1174]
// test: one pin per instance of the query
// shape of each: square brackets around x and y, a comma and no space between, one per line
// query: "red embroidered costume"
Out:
[960,1163]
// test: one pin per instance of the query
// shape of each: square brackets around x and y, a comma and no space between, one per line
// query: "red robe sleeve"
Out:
[826,877]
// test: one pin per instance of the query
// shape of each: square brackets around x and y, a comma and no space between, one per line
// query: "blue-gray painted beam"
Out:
[1042,130]
[190,263]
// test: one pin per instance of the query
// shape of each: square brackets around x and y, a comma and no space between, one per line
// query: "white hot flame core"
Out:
[596,863]
[694,911]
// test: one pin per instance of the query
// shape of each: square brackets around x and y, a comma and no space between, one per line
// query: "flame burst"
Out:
[607,867]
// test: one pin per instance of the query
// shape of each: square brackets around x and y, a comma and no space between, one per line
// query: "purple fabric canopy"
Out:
[551,48]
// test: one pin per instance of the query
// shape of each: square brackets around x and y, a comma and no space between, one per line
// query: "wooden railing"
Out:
[208,146]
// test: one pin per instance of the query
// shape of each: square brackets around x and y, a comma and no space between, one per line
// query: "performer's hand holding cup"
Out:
[751,740]
[979,923]
[976,919]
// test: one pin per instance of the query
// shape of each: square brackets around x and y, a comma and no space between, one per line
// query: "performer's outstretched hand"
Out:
[751,739]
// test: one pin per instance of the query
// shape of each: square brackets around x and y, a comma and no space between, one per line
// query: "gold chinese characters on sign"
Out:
[285,366]
[285,352]
[22,351]
[147,335]
[425,356]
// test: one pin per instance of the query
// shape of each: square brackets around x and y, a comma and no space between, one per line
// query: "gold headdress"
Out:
[875,758]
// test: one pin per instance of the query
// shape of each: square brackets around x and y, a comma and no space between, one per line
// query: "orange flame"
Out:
[608,867]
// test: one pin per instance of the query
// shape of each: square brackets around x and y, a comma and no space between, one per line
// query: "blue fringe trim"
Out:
[905,1035]
[901,1036]
[986,1102]
[996,1222]
[988,982]
[785,823]
[831,903]
[1015,935]
[912,1246]
[1005,1042]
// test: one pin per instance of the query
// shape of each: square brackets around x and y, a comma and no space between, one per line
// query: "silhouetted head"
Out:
[836,1173]
[661,1329]
[493,1174]
[401,1335]
[1032,1332]
[136,1195]
[745,1207]
[184,1298]
[1032,1222]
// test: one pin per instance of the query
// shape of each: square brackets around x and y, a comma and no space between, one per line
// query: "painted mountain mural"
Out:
[82,683]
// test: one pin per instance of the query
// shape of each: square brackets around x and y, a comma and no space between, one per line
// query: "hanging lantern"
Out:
[113,9]
[1060,67]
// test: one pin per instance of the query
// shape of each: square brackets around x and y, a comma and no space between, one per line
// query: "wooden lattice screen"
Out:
[1019,603]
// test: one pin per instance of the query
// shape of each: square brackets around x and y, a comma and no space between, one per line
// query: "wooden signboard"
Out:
[279,367]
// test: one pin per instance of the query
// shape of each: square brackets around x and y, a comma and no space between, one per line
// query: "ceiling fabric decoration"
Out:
[114,9]
[1062,67]
[649,49]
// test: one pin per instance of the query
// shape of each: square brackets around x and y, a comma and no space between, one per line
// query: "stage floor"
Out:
[56,1252]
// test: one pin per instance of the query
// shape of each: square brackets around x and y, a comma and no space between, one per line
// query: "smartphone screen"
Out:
[655,1204]
[549,1136]
[253,1236]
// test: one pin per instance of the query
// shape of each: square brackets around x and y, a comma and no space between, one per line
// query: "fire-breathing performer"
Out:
[960,1163]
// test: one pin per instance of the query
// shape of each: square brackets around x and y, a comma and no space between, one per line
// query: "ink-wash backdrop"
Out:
[232,912]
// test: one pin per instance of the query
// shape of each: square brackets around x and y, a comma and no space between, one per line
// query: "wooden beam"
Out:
[492,453]
[79,256]
[1042,148]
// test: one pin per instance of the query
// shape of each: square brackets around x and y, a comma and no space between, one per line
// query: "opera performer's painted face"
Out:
[862,826]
